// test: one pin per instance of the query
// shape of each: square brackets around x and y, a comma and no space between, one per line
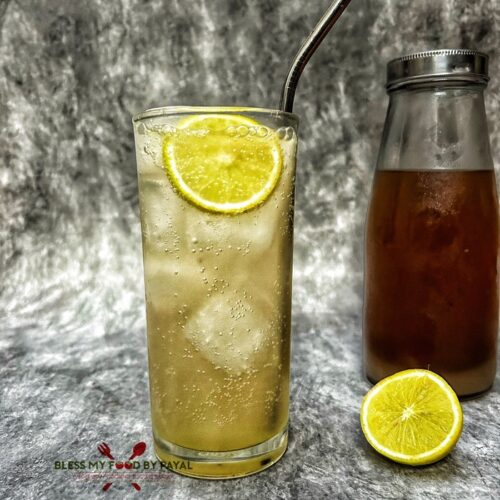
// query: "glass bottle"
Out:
[431,280]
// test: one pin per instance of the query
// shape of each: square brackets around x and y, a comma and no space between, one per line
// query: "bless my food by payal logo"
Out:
[130,470]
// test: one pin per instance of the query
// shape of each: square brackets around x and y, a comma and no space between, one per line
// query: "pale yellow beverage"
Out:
[216,196]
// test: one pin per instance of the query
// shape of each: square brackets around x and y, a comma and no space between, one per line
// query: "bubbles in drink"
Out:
[218,323]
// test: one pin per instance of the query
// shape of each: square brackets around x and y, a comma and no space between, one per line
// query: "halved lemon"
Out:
[223,163]
[412,417]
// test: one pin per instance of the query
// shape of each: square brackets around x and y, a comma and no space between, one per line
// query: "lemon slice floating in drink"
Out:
[223,163]
[413,417]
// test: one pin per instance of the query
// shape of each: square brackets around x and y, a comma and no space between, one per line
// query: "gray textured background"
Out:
[72,357]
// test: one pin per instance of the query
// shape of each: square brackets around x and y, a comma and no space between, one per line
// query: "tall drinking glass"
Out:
[216,191]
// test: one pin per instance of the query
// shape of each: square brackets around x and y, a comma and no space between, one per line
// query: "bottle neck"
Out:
[436,128]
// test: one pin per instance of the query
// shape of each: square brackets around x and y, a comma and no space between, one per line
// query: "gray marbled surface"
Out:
[73,358]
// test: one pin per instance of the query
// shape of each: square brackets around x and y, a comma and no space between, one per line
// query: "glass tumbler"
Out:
[216,192]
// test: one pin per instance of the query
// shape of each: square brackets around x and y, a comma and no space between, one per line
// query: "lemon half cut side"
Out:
[413,417]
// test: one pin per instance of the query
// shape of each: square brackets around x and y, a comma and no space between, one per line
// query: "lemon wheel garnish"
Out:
[413,417]
[223,163]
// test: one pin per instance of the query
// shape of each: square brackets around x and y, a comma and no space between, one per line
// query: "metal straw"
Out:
[308,48]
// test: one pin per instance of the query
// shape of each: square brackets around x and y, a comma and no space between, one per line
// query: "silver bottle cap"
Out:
[455,65]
